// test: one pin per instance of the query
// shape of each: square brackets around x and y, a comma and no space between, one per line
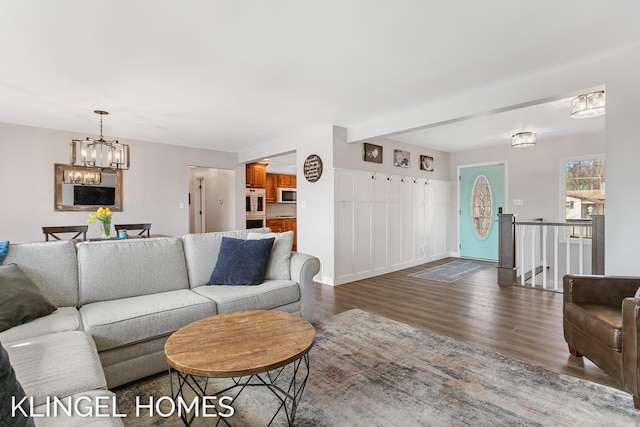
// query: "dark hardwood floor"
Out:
[522,323]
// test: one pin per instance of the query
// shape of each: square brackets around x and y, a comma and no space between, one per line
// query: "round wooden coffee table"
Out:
[243,346]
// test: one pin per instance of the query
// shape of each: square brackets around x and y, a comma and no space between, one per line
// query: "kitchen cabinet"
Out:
[291,224]
[271,188]
[286,181]
[273,181]
[276,225]
[256,175]
[280,225]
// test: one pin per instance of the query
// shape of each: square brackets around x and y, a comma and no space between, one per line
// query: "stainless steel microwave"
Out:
[287,195]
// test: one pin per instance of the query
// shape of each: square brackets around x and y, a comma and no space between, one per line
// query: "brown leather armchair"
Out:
[601,321]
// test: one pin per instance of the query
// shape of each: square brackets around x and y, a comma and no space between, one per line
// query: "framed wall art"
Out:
[426,163]
[372,153]
[401,158]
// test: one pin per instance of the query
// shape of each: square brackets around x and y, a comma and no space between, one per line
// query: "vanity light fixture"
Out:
[99,154]
[523,140]
[588,105]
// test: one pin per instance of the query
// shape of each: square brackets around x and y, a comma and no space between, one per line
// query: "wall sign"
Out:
[313,168]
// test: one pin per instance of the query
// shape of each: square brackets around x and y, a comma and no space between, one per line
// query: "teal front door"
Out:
[481,198]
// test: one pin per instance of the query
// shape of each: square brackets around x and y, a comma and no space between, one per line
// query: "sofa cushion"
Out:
[64,319]
[201,252]
[52,266]
[121,322]
[124,268]
[10,392]
[20,299]
[241,262]
[604,323]
[278,267]
[59,365]
[268,295]
[4,248]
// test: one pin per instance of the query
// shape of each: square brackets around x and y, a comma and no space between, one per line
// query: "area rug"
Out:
[367,370]
[451,271]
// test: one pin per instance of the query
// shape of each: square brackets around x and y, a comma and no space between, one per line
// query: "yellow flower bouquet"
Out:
[104,216]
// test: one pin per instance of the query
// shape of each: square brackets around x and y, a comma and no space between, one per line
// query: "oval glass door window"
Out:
[481,207]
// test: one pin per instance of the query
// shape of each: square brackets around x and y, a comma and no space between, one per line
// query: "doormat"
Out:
[452,271]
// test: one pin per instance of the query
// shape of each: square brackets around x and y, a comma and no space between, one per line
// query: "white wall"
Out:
[315,199]
[219,198]
[393,221]
[315,202]
[153,188]
[387,223]
[350,156]
[623,174]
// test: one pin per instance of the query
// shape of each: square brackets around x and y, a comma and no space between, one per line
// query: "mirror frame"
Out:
[59,169]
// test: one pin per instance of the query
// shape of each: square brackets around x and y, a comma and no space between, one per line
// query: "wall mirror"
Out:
[81,196]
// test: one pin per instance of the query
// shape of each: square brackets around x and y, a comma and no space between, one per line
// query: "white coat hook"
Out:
[415,181]
[426,182]
[373,176]
[389,178]
[402,179]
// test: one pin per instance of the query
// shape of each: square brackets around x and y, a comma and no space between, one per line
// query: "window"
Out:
[481,207]
[584,188]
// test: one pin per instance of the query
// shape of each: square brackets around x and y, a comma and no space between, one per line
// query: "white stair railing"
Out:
[539,254]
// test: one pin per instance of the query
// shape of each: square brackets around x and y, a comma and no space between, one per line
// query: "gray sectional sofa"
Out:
[118,301]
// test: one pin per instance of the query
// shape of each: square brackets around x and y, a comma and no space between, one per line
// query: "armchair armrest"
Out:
[601,290]
[630,345]
[303,267]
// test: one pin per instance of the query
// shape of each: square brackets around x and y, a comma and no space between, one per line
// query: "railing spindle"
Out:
[555,258]
[544,257]
[581,252]
[523,233]
[568,254]
[533,258]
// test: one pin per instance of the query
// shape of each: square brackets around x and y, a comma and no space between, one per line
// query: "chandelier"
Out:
[81,177]
[588,105]
[523,140]
[98,153]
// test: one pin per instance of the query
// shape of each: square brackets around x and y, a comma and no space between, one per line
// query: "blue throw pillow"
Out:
[4,248]
[241,262]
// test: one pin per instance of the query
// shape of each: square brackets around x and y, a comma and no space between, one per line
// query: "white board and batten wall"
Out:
[387,222]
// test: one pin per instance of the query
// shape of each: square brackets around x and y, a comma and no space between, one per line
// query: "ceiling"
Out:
[547,120]
[234,75]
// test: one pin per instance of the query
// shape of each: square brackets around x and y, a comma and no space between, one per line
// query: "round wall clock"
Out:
[313,168]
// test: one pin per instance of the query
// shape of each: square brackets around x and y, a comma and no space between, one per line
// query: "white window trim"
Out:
[563,190]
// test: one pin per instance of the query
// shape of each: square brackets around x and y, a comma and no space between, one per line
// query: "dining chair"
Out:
[78,229]
[142,227]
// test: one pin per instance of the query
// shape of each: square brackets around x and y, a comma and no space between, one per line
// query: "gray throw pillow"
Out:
[20,299]
[279,263]
[11,388]
[241,262]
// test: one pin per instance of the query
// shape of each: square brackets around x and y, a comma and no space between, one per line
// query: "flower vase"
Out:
[105,229]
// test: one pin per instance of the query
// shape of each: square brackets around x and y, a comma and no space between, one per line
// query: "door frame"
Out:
[458,207]
[199,188]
